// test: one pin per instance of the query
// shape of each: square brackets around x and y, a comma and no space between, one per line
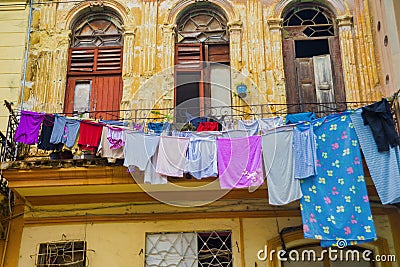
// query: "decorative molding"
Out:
[129,30]
[168,28]
[226,6]
[339,7]
[275,23]
[236,25]
[161,216]
[346,20]
[121,9]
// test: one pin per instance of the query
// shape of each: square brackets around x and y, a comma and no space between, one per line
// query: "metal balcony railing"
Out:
[12,151]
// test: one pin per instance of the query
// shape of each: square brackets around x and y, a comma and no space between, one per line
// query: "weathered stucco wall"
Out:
[256,50]
[120,243]
[386,22]
[13,27]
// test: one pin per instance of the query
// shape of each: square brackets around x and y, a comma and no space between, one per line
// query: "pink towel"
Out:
[240,162]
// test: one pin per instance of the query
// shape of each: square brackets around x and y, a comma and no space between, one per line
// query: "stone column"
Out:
[129,51]
[235,34]
[60,63]
[167,64]
[349,63]
[128,68]
[278,90]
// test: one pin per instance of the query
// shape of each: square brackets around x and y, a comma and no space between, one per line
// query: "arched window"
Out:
[202,74]
[97,30]
[313,66]
[94,86]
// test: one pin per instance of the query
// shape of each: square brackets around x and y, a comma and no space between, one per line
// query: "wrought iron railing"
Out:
[9,149]
[12,151]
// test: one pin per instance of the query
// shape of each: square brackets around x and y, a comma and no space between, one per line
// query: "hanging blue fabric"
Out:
[157,127]
[300,117]
[335,203]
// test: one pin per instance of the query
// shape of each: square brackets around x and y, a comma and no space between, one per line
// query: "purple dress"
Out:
[240,162]
[29,126]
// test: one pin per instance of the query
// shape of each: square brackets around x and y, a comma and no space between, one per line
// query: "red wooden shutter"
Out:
[188,55]
[98,60]
[69,96]
[81,60]
[109,59]
[106,97]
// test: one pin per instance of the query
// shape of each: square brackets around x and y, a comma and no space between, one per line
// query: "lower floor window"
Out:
[189,249]
[62,253]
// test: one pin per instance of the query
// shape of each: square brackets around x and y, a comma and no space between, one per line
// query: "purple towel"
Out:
[240,162]
[29,126]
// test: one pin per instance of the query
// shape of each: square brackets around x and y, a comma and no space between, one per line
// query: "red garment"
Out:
[207,126]
[90,134]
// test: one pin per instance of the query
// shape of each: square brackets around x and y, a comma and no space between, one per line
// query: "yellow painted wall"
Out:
[13,27]
[119,244]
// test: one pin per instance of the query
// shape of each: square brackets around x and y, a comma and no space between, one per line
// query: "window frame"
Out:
[46,246]
[198,234]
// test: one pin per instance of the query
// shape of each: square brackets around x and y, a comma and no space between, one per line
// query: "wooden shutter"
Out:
[81,60]
[69,96]
[106,96]
[292,93]
[218,53]
[188,55]
[306,85]
[98,60]
[324,82]
[338,82]
[109,59]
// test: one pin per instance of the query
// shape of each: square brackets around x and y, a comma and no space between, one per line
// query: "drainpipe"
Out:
[27,45]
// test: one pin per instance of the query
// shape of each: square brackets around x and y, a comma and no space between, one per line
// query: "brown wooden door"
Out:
[306,83]
[292,93]
[337,69]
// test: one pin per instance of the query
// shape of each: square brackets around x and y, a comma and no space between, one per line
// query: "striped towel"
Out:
[383,166]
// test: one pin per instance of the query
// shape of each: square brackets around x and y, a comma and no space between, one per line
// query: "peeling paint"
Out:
[255,44]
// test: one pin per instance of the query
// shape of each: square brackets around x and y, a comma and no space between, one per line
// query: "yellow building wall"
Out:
[120,243]
[255,49]
[13,28]
[386,22]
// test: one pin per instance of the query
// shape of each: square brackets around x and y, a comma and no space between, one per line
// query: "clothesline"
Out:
[151,113]
[316,160]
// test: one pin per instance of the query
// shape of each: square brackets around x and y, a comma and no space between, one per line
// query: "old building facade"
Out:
[123,59]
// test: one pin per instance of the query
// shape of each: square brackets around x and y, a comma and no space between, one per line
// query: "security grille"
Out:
[62,253]
[203,249]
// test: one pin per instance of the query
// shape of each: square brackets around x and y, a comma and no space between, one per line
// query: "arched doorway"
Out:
[313,66]
[202,59]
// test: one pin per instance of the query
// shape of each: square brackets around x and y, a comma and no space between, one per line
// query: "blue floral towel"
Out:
[335,203]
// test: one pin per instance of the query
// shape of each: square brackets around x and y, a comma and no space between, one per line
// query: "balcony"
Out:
[44,181]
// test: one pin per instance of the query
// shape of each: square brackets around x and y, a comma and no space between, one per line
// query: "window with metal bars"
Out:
[203,249]
[61,253]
